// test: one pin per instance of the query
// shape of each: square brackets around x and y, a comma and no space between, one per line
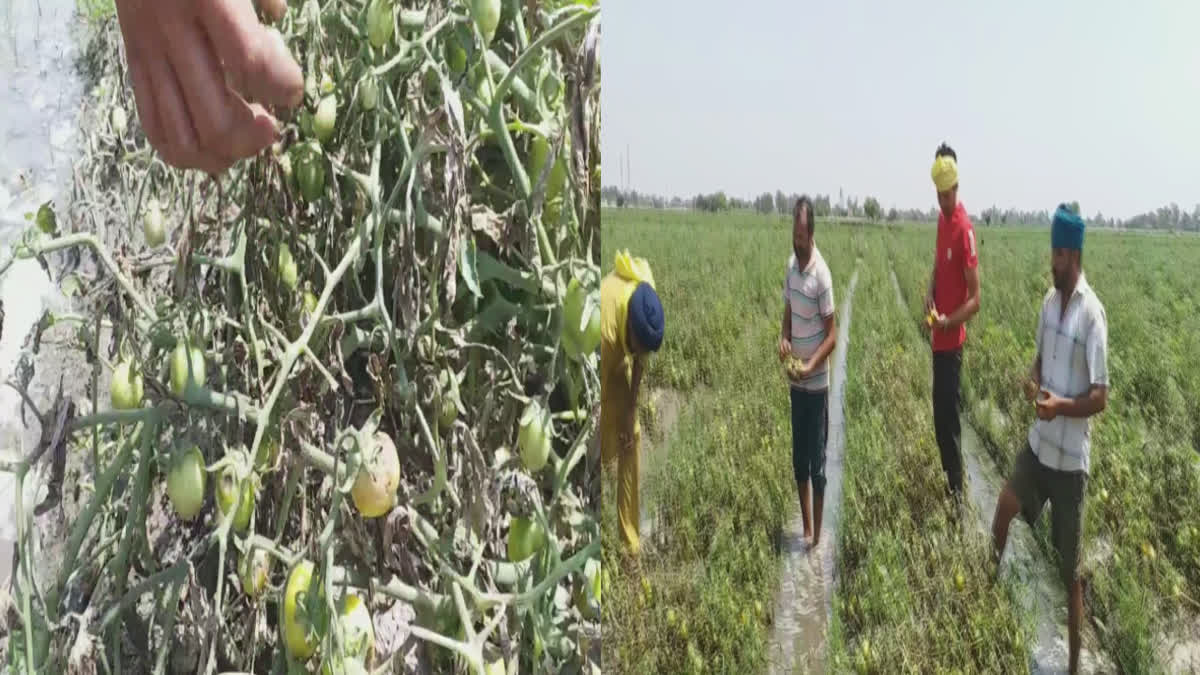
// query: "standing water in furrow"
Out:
[40,97]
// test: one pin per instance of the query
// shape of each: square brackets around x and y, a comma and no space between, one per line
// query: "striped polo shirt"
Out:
[809,295]
[1074,350]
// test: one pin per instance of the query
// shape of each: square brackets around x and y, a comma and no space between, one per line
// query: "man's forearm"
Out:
[823,350]
[1084,406]
[964,312]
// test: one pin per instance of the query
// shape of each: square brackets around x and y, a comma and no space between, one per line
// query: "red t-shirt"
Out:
[955,255]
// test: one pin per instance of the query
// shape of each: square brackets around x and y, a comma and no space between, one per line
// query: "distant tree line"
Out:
[1170,217]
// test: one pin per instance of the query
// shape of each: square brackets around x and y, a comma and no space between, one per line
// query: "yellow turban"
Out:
[945,173]
[633,269]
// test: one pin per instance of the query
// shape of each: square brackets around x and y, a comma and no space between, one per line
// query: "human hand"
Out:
[1048,405]
[785,349]
[202,72]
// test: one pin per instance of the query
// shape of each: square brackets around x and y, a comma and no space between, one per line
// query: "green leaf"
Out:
[46,220]
[468,266]
[490,268]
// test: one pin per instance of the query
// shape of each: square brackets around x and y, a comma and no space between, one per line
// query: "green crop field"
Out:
[915,592]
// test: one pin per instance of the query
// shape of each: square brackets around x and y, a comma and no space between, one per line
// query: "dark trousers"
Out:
[947,368]
[810,428]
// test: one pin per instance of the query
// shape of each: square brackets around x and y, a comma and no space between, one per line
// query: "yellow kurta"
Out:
[616,389]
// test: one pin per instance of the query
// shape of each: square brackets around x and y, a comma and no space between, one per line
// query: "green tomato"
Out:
[226,493]
[285,267]
[310,171]
[381,22]
[268,451]
[446,401]
[525,537]
[296,626]
[591,334]
[456,56]
[358,632]
[126,388]
[580,332]
[591,571]
[152,225]
[182,358]
[539,150]
[368,92]
[254,570]
[534,436]
[374,490]
[486,14]
[325,118]
[185,482]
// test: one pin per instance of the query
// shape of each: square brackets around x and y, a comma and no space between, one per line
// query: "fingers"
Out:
[143,94]
[178,143]
[226,127]
[201,84]
[256,60]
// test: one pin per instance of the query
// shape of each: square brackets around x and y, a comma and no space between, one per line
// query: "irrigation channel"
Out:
[40,97]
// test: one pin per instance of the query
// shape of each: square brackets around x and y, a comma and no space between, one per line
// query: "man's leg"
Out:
[1066,525]
[1022,494]
[1007,507]
[819,422]
[946,371]
[1074,617]
[628,515]
[799,466]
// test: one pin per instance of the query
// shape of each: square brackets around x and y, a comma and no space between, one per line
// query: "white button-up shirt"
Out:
[1073,346]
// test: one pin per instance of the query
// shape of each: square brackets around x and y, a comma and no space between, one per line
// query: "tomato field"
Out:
[915,589]
[373,345]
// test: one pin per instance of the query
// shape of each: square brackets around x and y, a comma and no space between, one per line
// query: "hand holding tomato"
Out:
[1048,405]
[202,71]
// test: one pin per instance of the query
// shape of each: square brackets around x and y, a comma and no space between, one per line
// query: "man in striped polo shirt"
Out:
[808,334]
[1069,379]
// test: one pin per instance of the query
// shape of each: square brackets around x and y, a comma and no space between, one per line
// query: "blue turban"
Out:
[1067,229]
[646,316]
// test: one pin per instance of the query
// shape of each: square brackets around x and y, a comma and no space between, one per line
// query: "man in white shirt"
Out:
[1070,382]
[808,333]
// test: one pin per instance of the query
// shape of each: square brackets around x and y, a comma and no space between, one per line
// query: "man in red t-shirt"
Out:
[952,300]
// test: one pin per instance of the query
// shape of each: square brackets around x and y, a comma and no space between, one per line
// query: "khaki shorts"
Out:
[1034,484]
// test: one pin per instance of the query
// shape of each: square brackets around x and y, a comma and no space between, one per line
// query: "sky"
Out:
[1044,102]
